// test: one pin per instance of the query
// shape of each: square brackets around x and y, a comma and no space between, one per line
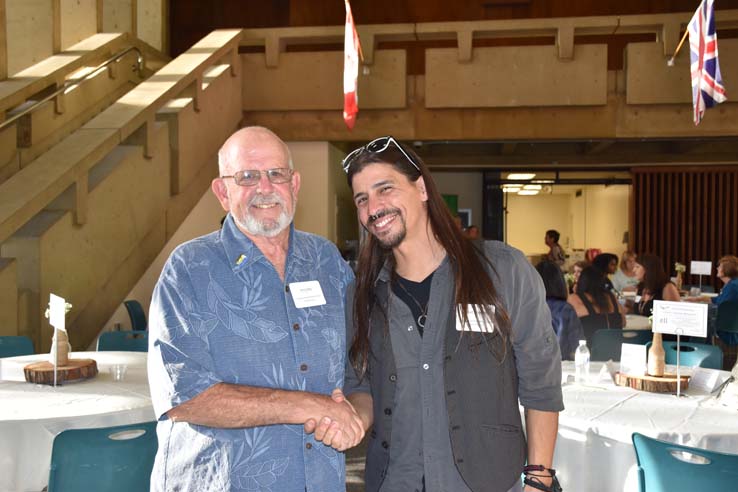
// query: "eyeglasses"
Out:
[251,177]
[376,146]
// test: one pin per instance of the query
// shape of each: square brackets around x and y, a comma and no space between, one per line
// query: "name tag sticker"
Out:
[477,322]
[307,294]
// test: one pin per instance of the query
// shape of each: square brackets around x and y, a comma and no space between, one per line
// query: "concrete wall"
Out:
[35,30]
[8,298]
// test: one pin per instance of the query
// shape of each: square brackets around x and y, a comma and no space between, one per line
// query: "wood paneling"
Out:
[190,20]
[685,214]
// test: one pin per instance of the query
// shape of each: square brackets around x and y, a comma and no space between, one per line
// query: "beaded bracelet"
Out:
[534,481]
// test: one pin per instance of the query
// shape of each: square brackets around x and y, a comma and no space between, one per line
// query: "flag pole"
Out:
[679,46]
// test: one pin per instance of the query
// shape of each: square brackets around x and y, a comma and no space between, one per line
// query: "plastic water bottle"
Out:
[581,363]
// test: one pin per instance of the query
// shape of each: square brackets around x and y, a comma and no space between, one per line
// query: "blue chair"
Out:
[606,343]
[137,315]
[667,467]
[11,346]
[694,354]
[127,341]
[727,322]
[114,459]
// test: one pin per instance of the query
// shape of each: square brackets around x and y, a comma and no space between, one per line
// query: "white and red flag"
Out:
[351,49]
[707,83]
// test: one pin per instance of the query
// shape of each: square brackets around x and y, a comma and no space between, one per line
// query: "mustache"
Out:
[266,199]
[373,218]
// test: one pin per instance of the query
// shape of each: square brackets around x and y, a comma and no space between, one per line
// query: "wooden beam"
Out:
[3,44]
[565,41]
[508,148]
[99,14]
[464,40]
[56,27]
[165,27]
[134,18]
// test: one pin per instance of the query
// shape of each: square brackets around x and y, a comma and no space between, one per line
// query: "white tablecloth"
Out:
[636,322]
[31,415]
[594,451]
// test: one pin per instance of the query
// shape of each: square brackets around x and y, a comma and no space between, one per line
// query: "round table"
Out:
[31,415]
[637,322]
[594,450]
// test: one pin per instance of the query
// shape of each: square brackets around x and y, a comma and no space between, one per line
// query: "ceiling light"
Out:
[521,176]
[507,188]
[528,192]
[533,187]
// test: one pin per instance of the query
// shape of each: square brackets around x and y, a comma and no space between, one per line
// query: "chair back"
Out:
[667,467]
[127,341]
[727,317]
[606,343]
[114,459]
[10,346]
[137,315]
[694,354]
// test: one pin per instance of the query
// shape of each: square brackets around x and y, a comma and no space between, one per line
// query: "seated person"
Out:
[576,271]
[607,264]
[727,272]
[596,307]
[624,279]
[653,284]
[564,319]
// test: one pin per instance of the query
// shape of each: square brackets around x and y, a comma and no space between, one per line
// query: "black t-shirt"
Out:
[415,295]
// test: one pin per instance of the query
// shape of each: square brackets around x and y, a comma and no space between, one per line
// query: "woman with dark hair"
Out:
[596,307]
[653,284]
[607,264]
[564,319]
[555,251]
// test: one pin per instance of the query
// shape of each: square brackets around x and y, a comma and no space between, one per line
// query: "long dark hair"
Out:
[473,286]
[654,278]
[553,280]
[590,282]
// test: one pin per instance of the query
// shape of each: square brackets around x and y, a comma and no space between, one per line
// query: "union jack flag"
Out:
[707,83]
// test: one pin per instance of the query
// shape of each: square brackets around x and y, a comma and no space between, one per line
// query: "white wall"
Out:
[529,217]
[595,219]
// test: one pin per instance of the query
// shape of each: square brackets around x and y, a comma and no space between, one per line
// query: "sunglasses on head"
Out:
[376,146]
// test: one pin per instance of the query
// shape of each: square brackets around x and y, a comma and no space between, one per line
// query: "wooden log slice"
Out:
[73,370]
[665,384]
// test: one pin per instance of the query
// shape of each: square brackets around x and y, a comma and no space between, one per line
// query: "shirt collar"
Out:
[239,249]
[385,274]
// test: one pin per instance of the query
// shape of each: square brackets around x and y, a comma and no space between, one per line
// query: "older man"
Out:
[248,340]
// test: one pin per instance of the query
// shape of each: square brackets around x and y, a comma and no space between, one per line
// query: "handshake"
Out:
[335,422]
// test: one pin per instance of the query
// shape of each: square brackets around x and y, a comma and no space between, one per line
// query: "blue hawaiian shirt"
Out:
[221,313]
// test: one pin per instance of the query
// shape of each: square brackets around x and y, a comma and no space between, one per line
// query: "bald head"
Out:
[247,144]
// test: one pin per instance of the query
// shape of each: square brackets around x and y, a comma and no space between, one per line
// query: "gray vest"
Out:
[481,398]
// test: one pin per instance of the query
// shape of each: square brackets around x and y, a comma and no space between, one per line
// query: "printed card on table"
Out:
[633,359]
[680,318]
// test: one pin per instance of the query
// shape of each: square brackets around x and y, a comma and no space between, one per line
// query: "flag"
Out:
[350,69]
[707,83]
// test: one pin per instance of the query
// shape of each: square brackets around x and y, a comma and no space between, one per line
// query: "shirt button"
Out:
[388,411]
[385,444]
[409,328]
[296,326]
[286,288]
[309,446]
[303,367]
[426,366]
[393,377]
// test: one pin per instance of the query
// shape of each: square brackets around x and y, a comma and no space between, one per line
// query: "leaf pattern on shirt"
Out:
[250,474]
[243,319]
[277,379]
[335,359]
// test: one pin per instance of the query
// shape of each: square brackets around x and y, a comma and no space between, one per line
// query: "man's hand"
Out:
[340,427]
